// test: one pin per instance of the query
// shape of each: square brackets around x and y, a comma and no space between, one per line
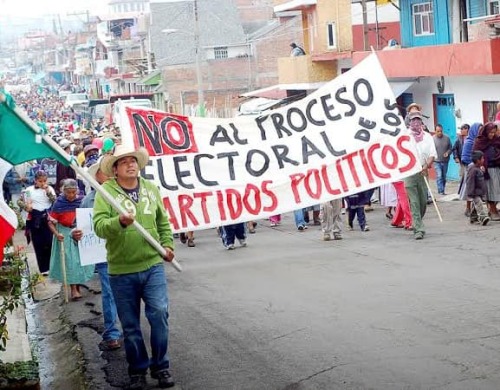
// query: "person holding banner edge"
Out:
[416,186]
[136,270]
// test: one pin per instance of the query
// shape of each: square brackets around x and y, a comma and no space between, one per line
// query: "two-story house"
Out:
[449,57]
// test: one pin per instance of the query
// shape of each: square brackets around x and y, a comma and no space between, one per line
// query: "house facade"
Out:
[448,60]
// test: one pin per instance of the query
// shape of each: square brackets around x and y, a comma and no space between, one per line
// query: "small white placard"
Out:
[92,248]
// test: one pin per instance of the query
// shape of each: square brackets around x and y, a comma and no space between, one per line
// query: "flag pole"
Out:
[83,173]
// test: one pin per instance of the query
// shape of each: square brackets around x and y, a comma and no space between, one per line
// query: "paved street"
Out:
[377,310]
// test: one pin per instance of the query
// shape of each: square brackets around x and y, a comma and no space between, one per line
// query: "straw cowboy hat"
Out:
[92,170]
[122,151]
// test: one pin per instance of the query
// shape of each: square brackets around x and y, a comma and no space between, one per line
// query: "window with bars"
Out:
[423,19]
[493,7]
[220,52]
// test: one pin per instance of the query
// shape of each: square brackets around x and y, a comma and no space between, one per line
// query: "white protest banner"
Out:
[92,248]
[344,138]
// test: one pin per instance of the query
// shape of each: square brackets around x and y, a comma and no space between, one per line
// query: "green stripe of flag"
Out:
[18,141]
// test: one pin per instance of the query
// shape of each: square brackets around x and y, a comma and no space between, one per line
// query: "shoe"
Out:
[176,235]
[191,243]
[485,221]
[368,208]
[300,228]
[419,236]
[137,382]
[230,247]
[273,224]
[337,236]
[45,274]
[495,217]
[109,345]
[165,380]
[251,230]
[243,242]
[183,237]
[366,229]
[326,237]
[389,215]
[429,201]
[396,226]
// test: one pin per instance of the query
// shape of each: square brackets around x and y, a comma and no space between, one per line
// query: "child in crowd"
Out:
[356,206]
[476,188]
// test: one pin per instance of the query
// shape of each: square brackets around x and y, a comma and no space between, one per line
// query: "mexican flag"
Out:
[20,141]
[8,218]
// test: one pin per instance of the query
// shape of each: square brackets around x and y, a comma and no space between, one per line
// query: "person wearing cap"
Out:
[111,335]
[413,107]
[136,269]
[415,185]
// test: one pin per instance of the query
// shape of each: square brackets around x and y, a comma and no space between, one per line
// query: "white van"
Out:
[74,99]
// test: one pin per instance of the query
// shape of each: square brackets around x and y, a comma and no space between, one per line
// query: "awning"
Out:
[279,91]
[399,87]
[257,105]
[154,78]
[294,5]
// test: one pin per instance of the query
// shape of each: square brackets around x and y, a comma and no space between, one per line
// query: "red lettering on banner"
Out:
[373,166]
[170,211]
[314,193]
[220,206]
[185,204]
[349,158]
[249,191]
[203,196]
[234,203]
[161,133]
[405,151]
[340,172]
[295,180]
[364,162]
[386,151]
[270,194]
[326,180]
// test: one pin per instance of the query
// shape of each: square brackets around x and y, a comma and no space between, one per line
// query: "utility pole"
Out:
[365,25]
[199,78]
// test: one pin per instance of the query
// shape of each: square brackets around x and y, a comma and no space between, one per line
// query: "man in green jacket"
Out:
[136,269]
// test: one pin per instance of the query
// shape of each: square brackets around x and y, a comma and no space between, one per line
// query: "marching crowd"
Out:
[49,193]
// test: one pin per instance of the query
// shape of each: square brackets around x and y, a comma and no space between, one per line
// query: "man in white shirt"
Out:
[415,184]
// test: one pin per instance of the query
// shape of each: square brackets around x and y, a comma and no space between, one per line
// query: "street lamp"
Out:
[199,77]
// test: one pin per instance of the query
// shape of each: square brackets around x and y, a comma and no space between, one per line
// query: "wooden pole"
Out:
[365,25]
[63,270]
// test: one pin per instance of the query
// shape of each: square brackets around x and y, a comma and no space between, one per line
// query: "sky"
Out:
[33,8]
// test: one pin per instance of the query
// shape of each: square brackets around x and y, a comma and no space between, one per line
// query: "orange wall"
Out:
[389,30]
